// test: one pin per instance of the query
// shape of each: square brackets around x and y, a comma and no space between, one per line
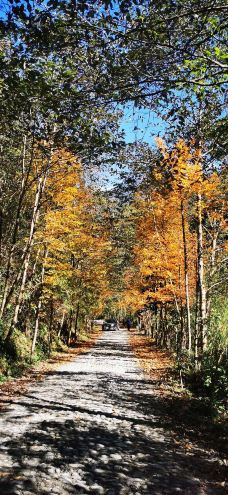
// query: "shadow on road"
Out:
[99,433]
[96,456]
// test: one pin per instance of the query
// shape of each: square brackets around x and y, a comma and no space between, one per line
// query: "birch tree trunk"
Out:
[70,327]
[212,270]
[39,306]
[202,309]
[35,216]
[186,278]
[61,326]
[8,288]
[196,335]
[28,251]
[76,319]
[50,325]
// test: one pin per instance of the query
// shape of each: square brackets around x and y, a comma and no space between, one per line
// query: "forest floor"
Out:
[99,424]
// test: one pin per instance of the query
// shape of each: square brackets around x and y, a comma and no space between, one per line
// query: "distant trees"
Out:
[77,244]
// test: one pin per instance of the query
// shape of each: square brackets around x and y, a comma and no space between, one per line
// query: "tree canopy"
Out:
[155,244]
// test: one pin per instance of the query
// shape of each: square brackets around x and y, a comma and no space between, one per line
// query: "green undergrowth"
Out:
[15,355]
[208,386]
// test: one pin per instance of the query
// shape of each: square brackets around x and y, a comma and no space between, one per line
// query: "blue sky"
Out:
[141,125]
[138,125]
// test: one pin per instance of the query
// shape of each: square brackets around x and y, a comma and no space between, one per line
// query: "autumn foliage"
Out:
[57,260]
[179,250]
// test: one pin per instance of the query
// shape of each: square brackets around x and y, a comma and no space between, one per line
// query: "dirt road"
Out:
[94,427]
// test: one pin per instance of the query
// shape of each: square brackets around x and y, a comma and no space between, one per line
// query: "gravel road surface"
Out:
[93,427]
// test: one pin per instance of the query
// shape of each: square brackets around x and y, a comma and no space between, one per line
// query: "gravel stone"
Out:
[98,489]
[116,457]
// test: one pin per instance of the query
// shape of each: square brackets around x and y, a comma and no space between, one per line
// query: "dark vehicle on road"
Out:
[110,324]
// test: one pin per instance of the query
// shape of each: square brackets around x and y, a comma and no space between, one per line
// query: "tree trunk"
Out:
[202,309]
[70,327]
[161,336]
[180,335]
[186,278]
[25,262]
[76,320]
[50,325]
[212,271]
[62,324]
[35,216]
[1,233]
[24,184]
[196,335]
[38,308]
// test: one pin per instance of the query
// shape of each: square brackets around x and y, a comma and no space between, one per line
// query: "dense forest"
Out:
[151,246]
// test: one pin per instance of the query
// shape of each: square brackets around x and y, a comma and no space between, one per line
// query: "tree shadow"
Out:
[95,451]
[105,433]
[72,458]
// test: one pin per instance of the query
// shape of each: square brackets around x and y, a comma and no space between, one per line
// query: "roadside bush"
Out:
[4,368]
[210,383]
[215,365]
[19,347]
[15,355]
[58,345]
[42,344]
